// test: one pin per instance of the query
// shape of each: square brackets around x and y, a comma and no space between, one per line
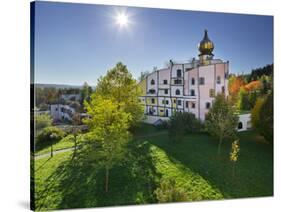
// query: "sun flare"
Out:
[122,20]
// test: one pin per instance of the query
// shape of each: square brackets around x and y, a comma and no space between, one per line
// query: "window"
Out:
[192,92]
[167,102]
[153,101]
[151,91]
[178,82]
[166,91]
[186,104]
[174,101]
[163,102]
[225,75]
[212,93]
[222,89]
[240,125]
[208,105]
[201,81]
[165,82]
[192,81]
[218,80]
[179,73]
[178,92]
[152,82]
[193,105]
[161,111]
[179,102]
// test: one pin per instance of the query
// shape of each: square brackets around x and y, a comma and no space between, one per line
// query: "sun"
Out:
[122,19]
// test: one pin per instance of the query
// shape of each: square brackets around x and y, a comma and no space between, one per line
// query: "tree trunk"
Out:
[233,169]
[219,146]
[75,147]
[106,179]
[52,150]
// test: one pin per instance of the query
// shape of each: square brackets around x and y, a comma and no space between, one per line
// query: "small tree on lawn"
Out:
[221,121]
[181,123]
[176,129]
[49,136]
[108,128]
[234,155]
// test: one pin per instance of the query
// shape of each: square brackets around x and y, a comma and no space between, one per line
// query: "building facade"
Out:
[186,87]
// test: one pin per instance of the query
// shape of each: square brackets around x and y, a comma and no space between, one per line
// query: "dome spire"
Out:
[206,46]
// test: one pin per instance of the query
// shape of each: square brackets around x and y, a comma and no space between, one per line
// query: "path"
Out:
[72,148]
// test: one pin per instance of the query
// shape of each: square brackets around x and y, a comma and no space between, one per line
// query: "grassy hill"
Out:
[65,183]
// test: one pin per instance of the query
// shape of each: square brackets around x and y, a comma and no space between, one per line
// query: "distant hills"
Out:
[58,86]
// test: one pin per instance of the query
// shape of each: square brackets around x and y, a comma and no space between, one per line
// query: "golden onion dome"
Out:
[206,46]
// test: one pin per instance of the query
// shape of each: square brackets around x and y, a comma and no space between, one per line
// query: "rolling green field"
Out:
[63,182]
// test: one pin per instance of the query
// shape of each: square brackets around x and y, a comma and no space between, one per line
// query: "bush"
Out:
[49,135]
[42,121]
[182,123]
[255,113]
[266,116]
[169,192]
[163,125]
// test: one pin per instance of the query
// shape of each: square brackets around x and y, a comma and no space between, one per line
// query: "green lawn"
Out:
[61,182]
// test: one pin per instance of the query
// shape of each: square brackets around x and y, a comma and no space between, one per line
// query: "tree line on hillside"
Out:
[253,93]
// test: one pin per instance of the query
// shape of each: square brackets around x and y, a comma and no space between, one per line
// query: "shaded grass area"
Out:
[63,182]
[67,182]
[254,169]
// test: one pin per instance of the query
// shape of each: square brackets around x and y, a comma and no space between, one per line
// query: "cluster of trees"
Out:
[254,92]
[244,90]
[45,133]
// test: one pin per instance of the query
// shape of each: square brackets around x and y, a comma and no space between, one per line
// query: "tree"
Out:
[143,75]
[85,92]
[234,85]
[108,128]
[49,136]
[182,123]
[169,192]
[119,85]
[255,112]
[221,121]
[243,101]
[265,126]
[42,121]
[234,155]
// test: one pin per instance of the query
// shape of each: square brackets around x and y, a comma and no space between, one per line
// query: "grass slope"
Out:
[63,182]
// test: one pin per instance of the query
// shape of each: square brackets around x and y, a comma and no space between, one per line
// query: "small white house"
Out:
[61,112]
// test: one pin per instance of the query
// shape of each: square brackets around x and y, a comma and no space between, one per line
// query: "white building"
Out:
[61,112]
[189,87]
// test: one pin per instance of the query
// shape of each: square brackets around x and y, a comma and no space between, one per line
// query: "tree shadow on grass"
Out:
[253,172]
[80,181]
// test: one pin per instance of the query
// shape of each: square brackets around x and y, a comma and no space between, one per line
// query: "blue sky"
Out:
[75,43]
